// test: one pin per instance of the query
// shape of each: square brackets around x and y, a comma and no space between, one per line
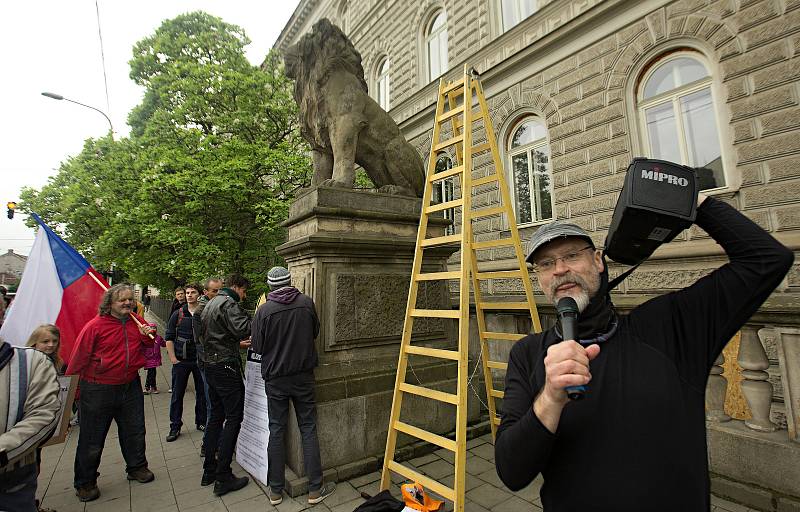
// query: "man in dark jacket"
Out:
[637,439]
[284,329]
[182,352]
[223,326]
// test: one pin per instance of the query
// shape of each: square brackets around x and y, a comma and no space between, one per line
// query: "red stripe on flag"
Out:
[79,304]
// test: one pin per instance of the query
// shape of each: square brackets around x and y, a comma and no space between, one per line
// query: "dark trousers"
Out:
[100,403]
[18,489]
[150,381]
[299,389]
[180,377]
[226,394]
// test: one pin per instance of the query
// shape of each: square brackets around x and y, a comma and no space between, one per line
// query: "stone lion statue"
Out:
[343,124]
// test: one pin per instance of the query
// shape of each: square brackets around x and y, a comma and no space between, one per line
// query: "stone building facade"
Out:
[11,267]
[576,89]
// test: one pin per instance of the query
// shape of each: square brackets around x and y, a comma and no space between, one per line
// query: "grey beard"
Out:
[581,299]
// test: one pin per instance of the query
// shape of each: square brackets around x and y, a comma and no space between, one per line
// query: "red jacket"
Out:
[108,351]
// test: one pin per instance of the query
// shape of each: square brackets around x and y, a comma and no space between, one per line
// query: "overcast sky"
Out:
[53,45]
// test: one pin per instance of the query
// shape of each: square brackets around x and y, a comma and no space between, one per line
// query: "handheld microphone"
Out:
[567,310]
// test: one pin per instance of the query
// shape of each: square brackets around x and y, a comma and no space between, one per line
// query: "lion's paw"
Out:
[335,183]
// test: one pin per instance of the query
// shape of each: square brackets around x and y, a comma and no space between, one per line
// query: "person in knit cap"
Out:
[283,332]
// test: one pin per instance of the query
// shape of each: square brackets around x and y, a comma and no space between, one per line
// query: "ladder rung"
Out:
[497,393]
[488,244]
[504,305]
[444,206]
[426,481]
[436,313]
[483,181]
[510,336]
[434,276]
[496,420]
[429,393]
[487,212]
[452,112]
[481,147]
[432,352]
[441,240]
[500,274]
[497,365]
[448,142]
[446,174]
[453,86]
[436,439]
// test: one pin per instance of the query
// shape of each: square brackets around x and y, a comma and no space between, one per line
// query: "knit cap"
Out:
[277,277]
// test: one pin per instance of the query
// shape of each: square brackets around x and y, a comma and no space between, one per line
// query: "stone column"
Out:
[789,360]
[755,387]
[716,389]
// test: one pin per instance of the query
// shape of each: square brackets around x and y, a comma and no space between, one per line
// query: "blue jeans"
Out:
[226,393]
[99,404]
[299,389]
[180,377]
[18,489]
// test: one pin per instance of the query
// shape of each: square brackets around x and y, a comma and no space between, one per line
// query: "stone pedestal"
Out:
[352,252]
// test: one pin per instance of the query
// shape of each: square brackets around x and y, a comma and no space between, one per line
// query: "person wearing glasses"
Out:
[637,439]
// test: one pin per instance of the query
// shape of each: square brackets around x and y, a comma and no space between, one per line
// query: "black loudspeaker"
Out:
[658,201]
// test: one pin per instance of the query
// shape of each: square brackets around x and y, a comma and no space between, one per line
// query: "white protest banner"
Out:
[251,447]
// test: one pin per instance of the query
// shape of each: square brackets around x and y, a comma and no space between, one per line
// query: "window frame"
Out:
[517,13]
[382,78]
[674,96]
[527,150]
[446,191]
[428,37]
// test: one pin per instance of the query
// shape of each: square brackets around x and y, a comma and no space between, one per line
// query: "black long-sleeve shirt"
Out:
[637,440]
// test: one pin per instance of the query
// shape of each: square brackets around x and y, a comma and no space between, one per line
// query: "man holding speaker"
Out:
[610,409]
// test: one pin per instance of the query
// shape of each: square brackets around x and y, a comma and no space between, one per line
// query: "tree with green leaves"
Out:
[206,177]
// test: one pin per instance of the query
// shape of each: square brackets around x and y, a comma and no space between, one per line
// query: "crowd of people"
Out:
[204,336]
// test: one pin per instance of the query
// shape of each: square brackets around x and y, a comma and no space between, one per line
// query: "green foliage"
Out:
[205,179]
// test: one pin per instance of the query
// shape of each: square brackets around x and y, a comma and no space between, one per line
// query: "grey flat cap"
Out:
[551,231]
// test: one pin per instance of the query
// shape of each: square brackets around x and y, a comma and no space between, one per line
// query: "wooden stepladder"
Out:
[456,103]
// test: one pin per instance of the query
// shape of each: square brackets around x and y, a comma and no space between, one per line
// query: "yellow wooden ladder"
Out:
[455,104]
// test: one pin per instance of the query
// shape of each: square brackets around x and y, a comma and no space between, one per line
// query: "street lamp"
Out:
[60,97]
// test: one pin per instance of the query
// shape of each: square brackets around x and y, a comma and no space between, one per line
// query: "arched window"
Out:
[677,112]
[529,156]
[444,190]
[382,84]
[514,11]
[436,45]
[342,15]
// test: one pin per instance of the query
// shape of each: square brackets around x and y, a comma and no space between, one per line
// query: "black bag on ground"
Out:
[381,502]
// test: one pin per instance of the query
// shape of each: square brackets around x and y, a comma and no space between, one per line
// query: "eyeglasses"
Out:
[548,264]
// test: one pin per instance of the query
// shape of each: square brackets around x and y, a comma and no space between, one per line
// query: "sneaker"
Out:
[87,493]
[142,475]
[232,484]
[275,498]
[173,435]
[168,391]
[317,496]
[154,390]
[146,390]
[208,478]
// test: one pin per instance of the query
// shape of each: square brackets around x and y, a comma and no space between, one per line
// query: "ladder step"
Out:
[435,276]
[432,352]
[436,313]
[504,305]
[441,240]
[497,393]
[497,365]
[499,274]
[449,142]
[510,336]
[487,212]
[481,147]
[486,179]
[444,206]
[453,86]
[430,437]
[446,174]
[452,112]
[488,244]
[429,393]
[426,481]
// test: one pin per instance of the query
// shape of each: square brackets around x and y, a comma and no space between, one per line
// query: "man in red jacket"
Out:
[107,355]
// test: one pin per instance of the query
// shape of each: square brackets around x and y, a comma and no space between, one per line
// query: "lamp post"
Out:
[60,97]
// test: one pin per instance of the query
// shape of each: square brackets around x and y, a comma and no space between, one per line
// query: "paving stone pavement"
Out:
[178,468]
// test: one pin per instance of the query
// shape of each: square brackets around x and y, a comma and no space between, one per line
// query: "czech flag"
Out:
[58,287]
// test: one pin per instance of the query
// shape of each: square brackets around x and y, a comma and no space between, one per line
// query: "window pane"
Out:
[674,74]
[541,160]
[528,7]
[663,133]
[508,8]
[439,21]
[519,164]
[702,138]
[434,66]
[443,64]
[527,133]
